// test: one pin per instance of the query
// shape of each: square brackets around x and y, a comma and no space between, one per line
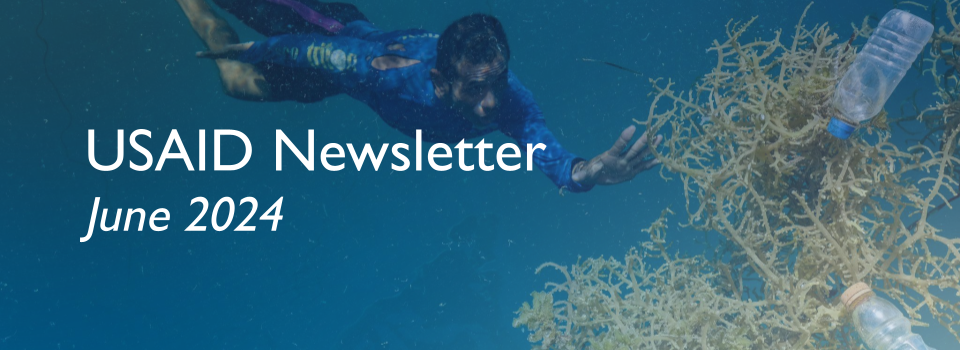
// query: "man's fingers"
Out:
[651,163]
[625,136]
[637,147]
[646,151]
[641,165]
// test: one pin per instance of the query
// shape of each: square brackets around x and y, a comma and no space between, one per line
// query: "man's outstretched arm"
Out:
[240,80]
[554,161]
[619,164]
[522,120]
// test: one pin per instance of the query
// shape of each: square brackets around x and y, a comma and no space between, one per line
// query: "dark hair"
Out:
[478,38]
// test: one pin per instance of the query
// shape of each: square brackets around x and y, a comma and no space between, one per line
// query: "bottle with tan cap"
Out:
[880,324]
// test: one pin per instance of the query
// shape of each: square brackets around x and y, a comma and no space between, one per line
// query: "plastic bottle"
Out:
[881,64]
[880,324]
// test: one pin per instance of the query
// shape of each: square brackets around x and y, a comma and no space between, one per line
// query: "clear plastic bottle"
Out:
[878,69]
[880,324]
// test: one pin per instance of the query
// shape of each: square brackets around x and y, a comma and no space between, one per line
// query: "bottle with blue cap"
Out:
[878,69]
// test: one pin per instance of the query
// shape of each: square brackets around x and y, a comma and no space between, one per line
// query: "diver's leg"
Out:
[342,12]
[356,23]
[272,19]
[240,80]
[267,18]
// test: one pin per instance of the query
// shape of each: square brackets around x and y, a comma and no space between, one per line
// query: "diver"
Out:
[452,86]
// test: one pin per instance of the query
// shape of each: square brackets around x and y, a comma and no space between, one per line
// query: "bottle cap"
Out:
[840,129]
[853,293]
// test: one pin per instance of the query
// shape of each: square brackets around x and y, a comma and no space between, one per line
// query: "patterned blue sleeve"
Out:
[523,120]
[285,50]
[332,54]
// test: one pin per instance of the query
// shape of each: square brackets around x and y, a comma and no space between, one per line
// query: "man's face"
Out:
[476,88]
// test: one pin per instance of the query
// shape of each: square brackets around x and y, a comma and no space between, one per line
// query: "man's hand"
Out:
[615,166]
[228,51]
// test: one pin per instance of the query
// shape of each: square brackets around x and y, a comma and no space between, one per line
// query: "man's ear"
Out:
[440,85]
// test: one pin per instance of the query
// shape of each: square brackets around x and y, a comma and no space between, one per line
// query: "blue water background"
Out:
[391,260]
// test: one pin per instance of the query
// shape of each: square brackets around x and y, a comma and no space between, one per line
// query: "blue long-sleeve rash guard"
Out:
[404,97]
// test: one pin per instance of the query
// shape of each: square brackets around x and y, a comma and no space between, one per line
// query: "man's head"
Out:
[472,56]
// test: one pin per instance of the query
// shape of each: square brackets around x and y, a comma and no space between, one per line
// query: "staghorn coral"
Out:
[800,214]
[944,55]
[649,300]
